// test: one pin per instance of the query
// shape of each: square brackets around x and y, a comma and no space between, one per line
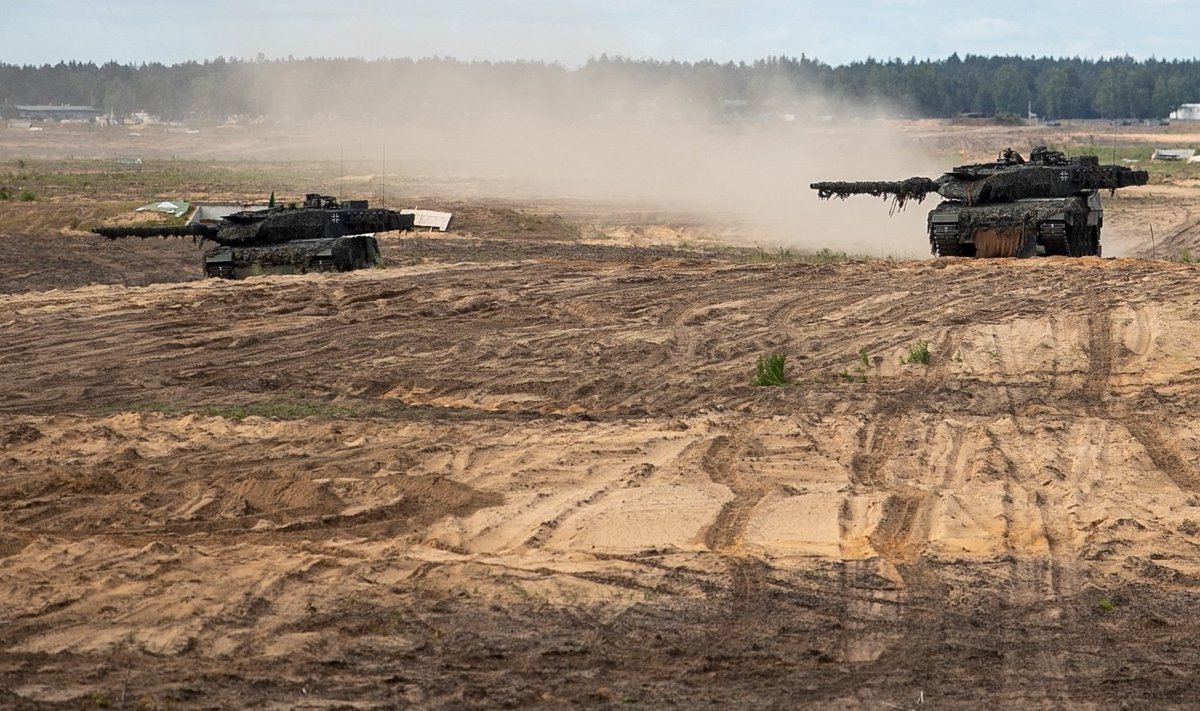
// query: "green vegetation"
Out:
[1003,86]
[1185,257]
[770,370]
[785,255]
[27,196]
[860,368]
[152,179]
[1107,605]
[282,408]
[918,354]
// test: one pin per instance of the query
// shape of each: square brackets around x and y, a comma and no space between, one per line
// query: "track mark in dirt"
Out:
[1100,355]
[1143,322]
[748,586]
[722,463]
[1165,454]
[1058,579]
[893,536]
[880,442]
[547,529]
[682,324]
[956,465]
[870,606]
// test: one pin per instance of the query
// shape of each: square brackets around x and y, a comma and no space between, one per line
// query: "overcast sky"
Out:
[569,31]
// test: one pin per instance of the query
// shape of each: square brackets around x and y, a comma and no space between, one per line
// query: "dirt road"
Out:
[543,479]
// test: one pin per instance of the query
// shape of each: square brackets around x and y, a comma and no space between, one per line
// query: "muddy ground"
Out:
[524,466]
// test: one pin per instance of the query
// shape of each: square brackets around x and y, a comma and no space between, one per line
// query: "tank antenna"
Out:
[383,183]
[342,177]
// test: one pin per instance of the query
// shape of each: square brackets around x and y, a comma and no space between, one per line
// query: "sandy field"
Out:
[524,466]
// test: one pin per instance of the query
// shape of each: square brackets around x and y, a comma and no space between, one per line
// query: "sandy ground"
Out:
[523,471]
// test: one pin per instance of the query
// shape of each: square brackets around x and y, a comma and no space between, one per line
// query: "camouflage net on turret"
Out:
[999,188]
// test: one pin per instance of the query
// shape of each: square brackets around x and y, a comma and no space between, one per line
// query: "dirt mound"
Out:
[331,488]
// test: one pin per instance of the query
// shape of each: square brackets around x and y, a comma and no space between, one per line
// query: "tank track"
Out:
[1058,241]
[1054,239]
[944,242]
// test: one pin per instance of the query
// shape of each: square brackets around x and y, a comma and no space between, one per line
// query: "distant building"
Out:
[1186,112]
[58,113]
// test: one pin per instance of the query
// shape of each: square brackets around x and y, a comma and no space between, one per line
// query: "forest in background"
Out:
[612,87]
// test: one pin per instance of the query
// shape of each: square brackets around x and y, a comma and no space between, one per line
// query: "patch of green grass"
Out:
[860,369]
[771,370]
[785,255]
[919,354]
[1107,605]
[1185,257]
[27,196]
[137,407]
[278,409]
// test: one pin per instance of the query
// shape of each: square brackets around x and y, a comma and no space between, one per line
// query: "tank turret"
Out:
[320,235]
[1048,205]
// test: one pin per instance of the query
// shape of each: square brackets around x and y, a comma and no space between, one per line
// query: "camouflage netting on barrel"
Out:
[900,191]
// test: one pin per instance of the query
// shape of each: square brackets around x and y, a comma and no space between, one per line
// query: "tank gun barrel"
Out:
[901,191]
[194,230]
[1111,177]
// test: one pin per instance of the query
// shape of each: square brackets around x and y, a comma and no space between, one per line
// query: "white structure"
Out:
[1173,154]
[1186,112]
[429,218]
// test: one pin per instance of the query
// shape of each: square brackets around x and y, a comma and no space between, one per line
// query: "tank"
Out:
[1048,205]
[320,235]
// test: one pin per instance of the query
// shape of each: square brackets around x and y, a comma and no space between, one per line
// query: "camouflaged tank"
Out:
[1048,205]
[320,235]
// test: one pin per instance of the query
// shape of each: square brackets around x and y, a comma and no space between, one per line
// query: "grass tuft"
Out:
[919,353]
[770,370]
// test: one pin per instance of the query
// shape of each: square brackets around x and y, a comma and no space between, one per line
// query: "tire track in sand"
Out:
[723,462]
[749,577]
[880,440]
[893,535]
[1165,454]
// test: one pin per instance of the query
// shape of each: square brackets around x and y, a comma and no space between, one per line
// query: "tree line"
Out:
[306,89]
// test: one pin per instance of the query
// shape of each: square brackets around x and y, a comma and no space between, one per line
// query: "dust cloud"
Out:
[537,136]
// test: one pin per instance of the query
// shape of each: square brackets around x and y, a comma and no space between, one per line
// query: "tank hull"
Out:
[300,256]
[1066,226]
